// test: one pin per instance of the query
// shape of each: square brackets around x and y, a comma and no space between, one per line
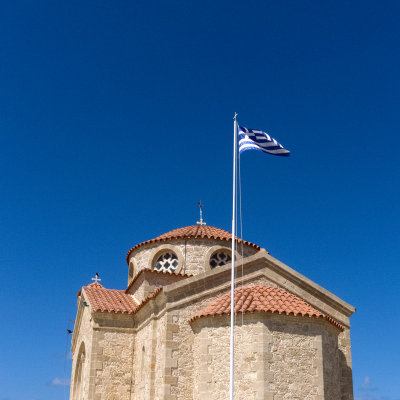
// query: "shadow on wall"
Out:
[338,380]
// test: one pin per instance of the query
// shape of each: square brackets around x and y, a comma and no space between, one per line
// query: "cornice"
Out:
[211,283]
[261,264]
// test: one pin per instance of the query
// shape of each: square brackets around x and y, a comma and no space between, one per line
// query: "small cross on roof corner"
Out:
[201,222]
[96,278]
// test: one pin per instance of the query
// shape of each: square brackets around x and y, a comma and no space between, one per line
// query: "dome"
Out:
[193,232]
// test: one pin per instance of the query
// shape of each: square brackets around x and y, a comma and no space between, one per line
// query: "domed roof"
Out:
[191,232]
[265,299]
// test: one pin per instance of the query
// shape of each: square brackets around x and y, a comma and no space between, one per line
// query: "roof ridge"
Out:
[95,284]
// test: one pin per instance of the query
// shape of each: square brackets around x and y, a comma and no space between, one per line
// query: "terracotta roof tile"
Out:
[265,299]
[110,300]
[193,231]
[95,285]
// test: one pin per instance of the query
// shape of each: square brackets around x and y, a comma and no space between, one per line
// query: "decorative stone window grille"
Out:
[219,259]
[167,262]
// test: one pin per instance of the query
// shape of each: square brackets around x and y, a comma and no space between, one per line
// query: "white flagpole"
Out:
[232,351]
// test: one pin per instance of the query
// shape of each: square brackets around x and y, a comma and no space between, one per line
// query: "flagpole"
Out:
[232,351]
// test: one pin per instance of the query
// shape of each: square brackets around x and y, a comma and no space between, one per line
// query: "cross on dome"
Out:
[201,222]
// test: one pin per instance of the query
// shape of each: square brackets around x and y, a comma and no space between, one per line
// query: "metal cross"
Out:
[201,215]
[96,279]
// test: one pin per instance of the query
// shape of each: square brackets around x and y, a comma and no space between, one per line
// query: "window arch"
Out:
[167,261]
[159,261]
[80,370]
[220,258]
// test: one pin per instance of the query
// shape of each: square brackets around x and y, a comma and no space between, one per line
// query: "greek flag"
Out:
[251,139]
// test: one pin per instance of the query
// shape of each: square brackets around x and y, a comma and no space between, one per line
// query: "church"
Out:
[166,335]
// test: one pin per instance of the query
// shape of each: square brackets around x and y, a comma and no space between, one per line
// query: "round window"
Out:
[219,259]
[167,262]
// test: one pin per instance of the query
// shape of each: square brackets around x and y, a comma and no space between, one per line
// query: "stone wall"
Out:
[211,360]
[82,342]
[296,364]
[114,362]
[193,254]
[331,355]
[161,351]
[304,350]
[180,359]
[276,357]
[142,360]
[149,281]
[157,354]
[346,378]
[149,360]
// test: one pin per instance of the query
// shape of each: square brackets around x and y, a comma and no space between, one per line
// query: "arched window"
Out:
[220,258]
[79,380]
[166,262]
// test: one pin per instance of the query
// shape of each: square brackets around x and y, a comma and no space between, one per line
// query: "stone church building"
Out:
[166,336]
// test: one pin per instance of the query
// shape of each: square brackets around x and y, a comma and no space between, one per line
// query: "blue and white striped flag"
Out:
[251,139]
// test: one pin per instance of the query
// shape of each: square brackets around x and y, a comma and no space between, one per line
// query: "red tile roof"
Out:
[95,285]
[265,299]
[190,232]
[111,300]
[155,271]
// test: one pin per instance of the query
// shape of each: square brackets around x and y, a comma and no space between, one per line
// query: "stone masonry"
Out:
[166,337]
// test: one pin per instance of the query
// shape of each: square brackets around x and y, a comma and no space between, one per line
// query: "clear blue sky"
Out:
[116,119]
